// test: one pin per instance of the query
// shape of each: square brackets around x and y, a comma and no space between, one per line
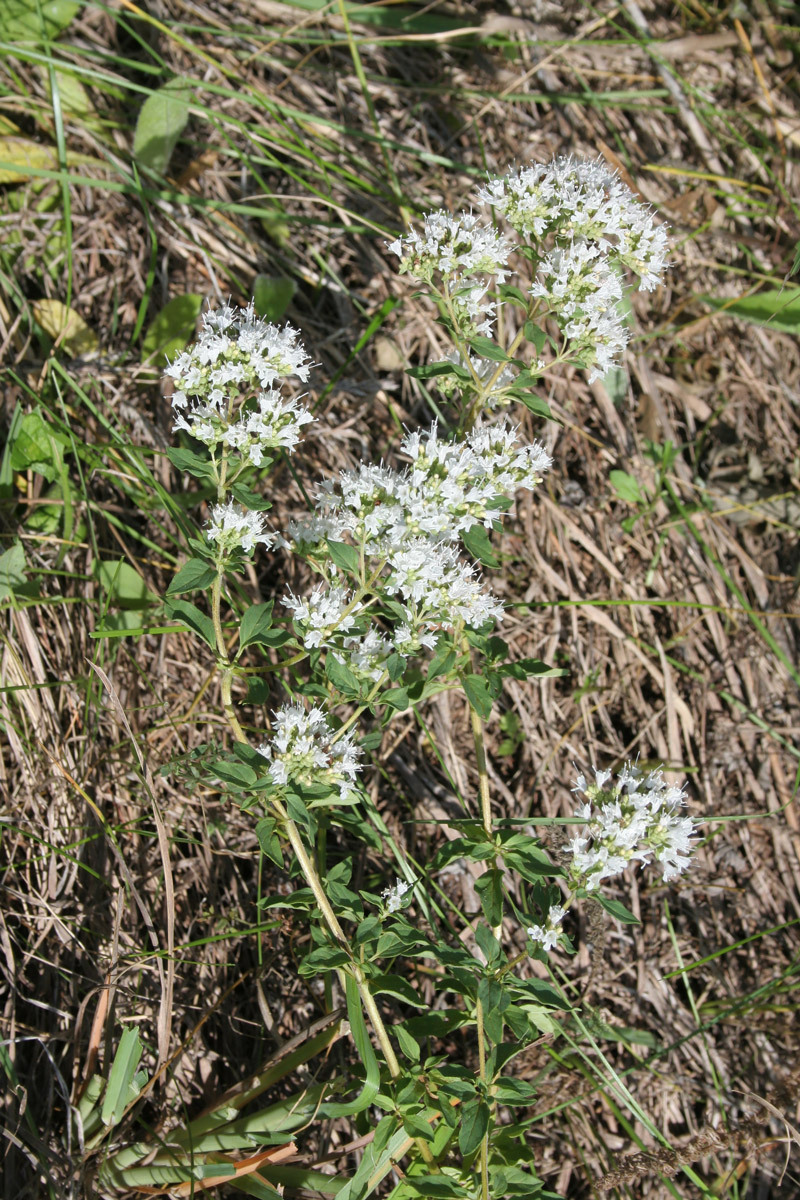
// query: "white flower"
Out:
[582,291]
[234,527]
[636,819]
[454,246]
[441,587]
[581,200]
[238,355]
[394,897]
[302,751]
[325,612]
[547,938]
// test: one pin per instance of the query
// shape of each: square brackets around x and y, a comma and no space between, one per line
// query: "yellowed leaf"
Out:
[67,327]
[18,155]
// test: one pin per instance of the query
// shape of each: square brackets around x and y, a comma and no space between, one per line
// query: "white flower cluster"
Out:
[325,612]
[442,588]
[234,527]
[302,751]
[456,247]
[635,819]
[410,518]
[576,201]
[225,392]
[582,290]
[395,896]
[547,935]
[448,487]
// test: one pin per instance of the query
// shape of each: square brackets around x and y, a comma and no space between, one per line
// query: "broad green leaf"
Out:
[238,774]
[123,584]
[508,1089]
[341,676]
[476,542]
[527,668]
[18,154]
[490,889]
[272,295]
[474,1124]
[486,348]
[344,555]
[478,695]
[66,326]
[534,404]
[196,620]
[627,487]
[255,623]
[161,121]
[416,1126]
[121,1077]
[12,570]
[269,841]
[777,307]
[408,1044]
[194,576]
[34,445]
[35,20]
[174,326]
[616,909]
[190,462]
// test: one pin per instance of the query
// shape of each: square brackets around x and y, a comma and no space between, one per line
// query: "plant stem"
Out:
[484,1155]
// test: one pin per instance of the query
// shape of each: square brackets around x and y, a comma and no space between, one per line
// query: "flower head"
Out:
[302,751]
[233,527]
[635,819]
[456,247]
[395,896]
[238,355]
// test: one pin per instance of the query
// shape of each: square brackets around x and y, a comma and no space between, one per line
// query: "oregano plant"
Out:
[396,610]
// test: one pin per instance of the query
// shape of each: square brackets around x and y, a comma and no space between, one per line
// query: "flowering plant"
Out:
[398,612]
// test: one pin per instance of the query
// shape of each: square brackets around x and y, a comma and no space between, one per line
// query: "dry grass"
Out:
[681,637]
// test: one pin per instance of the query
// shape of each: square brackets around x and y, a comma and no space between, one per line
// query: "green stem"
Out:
[484,1155]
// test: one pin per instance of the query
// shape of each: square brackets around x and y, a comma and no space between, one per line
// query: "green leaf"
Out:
[416,1126]
[490,889]
[488,943]
[238,774]
[269,841]
[617,910]
[396,985]
[476,542]
[487,348]
[272,295]
[174,326]
[196,620]
[341,676]
[433,370]
[12,570]
[161,121]
[119,1089]
[248,497]
[510,1090]
[627,487]
[478,695]
[474,1125]
[35,20]
[194,576]
[396,698]
[535,335]
[123,584]
[345,556]
[372,1080]
[408,1044]
[192,463]
[534,404]
[255,623]
[777,307]
[432,1187]
[37,447]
